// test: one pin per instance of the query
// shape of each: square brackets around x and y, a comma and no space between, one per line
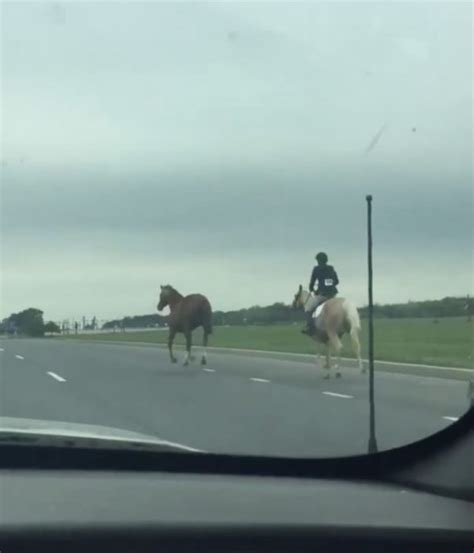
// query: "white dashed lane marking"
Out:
[19,356]
[56,376]
[454,419]
[209,370]
[264,380]
[335,394]
[1,349]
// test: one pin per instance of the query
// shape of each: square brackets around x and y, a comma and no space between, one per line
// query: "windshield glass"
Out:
[184,221]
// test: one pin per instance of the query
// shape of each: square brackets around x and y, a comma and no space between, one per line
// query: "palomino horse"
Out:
[186,314]
[337,317]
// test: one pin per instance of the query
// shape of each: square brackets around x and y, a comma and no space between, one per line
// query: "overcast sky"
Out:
[219,146]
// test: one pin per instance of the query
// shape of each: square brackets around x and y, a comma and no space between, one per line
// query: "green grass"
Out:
[447,343]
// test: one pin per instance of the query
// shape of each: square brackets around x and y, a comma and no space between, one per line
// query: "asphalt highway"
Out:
[236,404]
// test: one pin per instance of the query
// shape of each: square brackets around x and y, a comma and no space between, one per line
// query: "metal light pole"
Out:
[372,438]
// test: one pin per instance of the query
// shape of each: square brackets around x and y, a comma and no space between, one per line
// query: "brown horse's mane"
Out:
[172,291]
[173,297]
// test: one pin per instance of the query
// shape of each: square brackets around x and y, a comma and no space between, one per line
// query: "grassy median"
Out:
[445,342]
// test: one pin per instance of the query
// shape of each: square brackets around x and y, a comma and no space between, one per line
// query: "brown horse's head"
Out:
[166,293]
[297,300]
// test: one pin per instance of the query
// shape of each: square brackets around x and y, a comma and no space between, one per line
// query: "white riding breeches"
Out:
[313,302]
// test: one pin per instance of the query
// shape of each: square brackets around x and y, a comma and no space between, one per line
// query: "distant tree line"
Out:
[256,315]
[281,313]
[277,312]
[138,321]
[28,322]
[447,307]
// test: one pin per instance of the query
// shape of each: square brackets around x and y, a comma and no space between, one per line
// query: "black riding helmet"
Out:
[322,258]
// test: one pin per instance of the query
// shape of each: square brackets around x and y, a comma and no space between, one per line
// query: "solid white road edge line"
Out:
[56,376]
[335,394]
[218,349]
[181,446]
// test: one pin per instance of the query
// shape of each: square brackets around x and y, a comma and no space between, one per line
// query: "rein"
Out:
[307,299]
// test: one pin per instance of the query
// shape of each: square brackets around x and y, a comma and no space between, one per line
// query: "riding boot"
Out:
[309,330]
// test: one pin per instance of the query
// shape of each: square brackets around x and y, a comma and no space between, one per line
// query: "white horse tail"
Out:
[353,319]
[352,316]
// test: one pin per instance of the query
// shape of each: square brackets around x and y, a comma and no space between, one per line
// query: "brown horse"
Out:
[338,316]
[186,314]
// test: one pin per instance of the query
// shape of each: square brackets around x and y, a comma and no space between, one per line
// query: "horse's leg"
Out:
[187,357]
[337,365]
[205,337]
[327,363]
[171,336]
[334,347]
[191,356]
[354,334]
[318,359]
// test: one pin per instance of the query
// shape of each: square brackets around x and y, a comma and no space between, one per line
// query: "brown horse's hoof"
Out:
[338,375]
[203,361]
[174,360]
[326,376]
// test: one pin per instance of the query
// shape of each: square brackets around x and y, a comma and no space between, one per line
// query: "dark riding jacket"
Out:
[327,280]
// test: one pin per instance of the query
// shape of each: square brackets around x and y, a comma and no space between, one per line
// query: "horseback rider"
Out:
[327,280]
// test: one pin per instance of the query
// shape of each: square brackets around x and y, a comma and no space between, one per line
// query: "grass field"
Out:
[449,342]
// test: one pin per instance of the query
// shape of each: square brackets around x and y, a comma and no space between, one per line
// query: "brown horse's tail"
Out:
[207,318]
[208,326]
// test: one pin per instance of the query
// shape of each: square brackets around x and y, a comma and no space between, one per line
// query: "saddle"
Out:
[319,310]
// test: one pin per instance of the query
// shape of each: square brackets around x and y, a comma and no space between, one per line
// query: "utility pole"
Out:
[372,439]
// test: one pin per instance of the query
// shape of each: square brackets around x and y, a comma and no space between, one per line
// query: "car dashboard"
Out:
[78,497]
[151,511]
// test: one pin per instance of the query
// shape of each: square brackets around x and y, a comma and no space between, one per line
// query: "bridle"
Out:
[307,299]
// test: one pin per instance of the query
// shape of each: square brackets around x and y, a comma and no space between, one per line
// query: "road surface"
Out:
[237,404]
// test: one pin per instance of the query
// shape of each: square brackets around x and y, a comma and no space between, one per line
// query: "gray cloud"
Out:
[219,145]
[281,202]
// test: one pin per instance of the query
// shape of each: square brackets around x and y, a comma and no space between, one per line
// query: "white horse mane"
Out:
[304,295]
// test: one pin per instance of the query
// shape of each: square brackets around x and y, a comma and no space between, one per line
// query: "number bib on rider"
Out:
[328,282]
